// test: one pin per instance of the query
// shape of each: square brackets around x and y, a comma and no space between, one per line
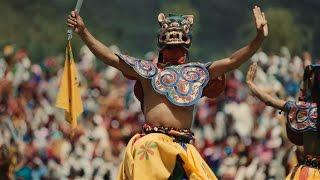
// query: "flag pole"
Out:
[77,9]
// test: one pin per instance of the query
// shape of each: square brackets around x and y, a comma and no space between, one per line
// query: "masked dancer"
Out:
[303,123]
[169,91]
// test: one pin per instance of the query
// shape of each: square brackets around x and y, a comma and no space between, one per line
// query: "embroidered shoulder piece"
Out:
[301,116]
[181,84]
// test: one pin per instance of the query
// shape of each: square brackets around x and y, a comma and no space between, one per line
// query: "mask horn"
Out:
[161,18]
[188,18]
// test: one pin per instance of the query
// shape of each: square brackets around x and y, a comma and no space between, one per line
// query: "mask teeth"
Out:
[180,35]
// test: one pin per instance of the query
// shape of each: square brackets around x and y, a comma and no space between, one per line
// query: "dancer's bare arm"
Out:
[260,94]
[222,66]
[97,48]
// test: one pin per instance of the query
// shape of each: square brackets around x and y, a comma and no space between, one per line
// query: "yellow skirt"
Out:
[304,173]
[153,156]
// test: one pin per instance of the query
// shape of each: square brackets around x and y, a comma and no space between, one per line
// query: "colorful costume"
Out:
[183,85]
[162,152]
[303,117]
[158,151]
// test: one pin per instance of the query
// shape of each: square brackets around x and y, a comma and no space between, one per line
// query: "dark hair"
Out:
[312,88]
[316,91]
[5,162]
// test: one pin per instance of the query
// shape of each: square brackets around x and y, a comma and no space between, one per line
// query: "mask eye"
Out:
[165,26]
[186,28]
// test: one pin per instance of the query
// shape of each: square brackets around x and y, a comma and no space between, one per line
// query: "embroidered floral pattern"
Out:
[146,69]
[181,84]
[146,150]
[302,116]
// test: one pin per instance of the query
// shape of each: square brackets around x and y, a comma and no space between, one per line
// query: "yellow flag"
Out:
[69,97]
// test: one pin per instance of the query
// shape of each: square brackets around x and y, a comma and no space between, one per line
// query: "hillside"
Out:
[221,26]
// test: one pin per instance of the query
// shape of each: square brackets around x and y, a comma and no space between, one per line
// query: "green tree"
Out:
[285,31]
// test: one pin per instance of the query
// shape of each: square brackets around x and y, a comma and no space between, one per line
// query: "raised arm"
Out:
[97,48]
[260,94]
[233,62]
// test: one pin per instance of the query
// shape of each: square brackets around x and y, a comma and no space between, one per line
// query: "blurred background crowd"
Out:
[237,134]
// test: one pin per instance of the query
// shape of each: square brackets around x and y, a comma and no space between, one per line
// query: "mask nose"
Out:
[174,24]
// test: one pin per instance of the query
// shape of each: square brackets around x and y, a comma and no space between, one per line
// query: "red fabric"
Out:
[304,172]
[174,55]
[138,91]
[215,87]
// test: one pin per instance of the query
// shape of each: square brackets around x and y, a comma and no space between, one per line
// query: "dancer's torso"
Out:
[169,93]
[159,111]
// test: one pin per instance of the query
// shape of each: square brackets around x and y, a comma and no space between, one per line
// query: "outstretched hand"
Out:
[252,73]
[261,21]
[260,94]
[75,22]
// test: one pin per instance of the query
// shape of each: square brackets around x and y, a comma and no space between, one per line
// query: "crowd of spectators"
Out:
[239,137]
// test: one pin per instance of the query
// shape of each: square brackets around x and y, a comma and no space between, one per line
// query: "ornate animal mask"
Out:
[175,30]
